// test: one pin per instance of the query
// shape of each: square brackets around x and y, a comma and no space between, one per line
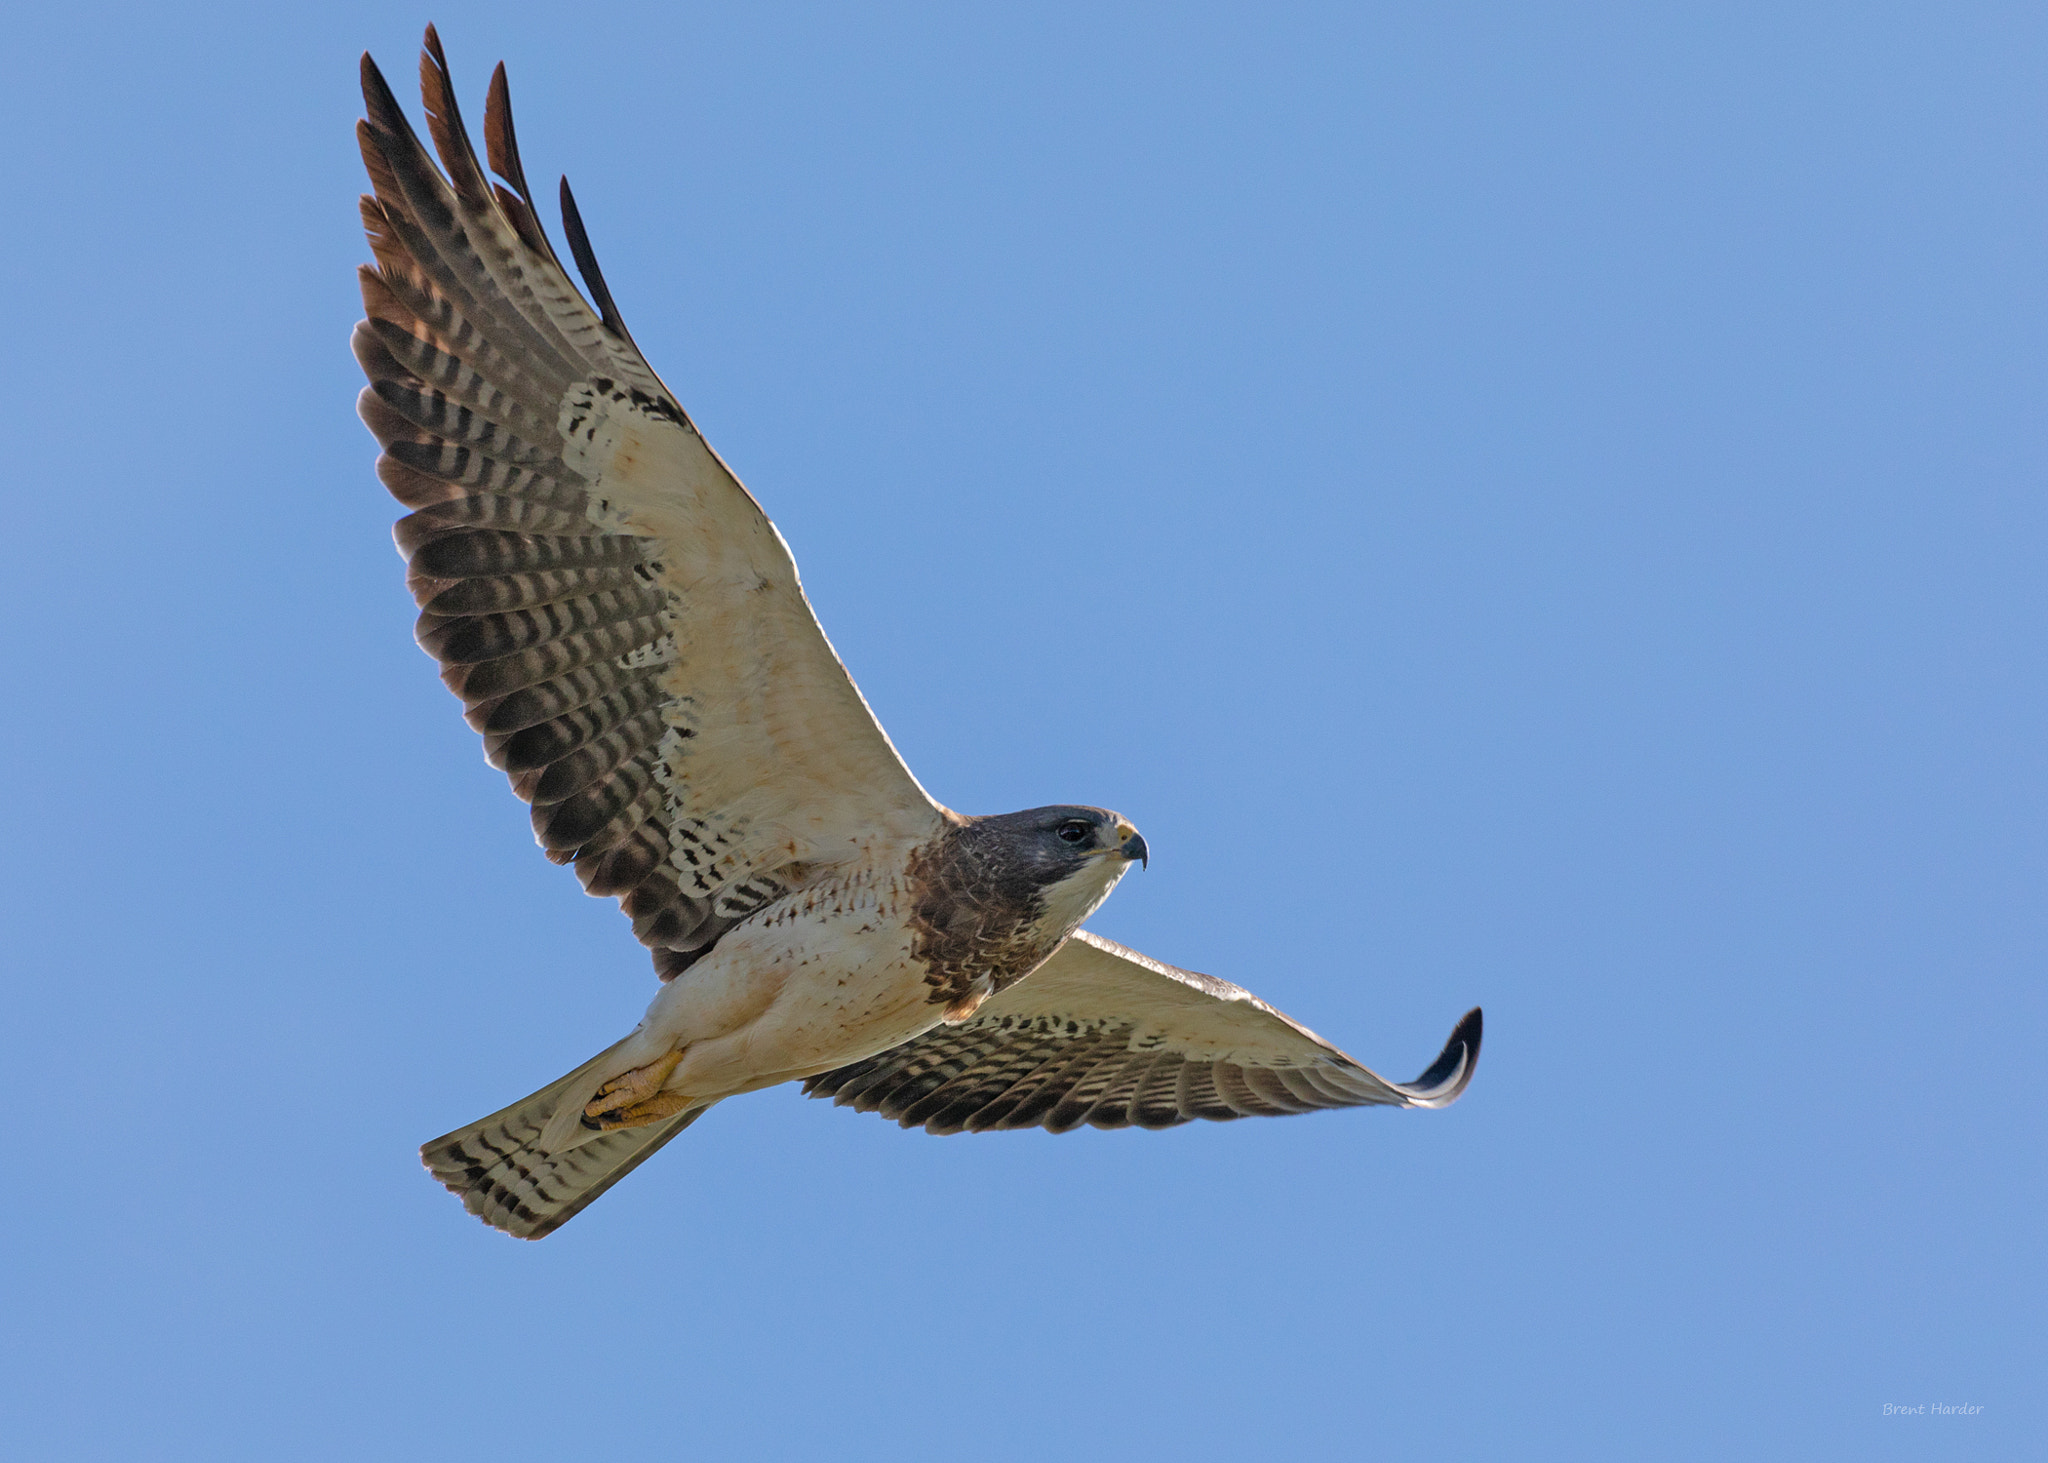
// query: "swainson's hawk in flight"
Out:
[626,630]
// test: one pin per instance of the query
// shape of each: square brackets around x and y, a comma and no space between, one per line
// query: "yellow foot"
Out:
[631,1091]
[661,1105]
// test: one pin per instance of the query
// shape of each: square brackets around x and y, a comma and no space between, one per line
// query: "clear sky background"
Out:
[1533,506]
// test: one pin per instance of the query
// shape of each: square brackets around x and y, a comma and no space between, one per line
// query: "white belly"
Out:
[812,982]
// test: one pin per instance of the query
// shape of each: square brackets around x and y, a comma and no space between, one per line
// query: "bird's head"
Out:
[1071,856]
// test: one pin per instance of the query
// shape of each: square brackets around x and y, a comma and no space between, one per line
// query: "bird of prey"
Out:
[626,630]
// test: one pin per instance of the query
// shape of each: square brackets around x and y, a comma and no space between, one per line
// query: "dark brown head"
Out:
[997,895]
[1058,862]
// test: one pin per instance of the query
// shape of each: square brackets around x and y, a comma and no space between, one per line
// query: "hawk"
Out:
[626,630]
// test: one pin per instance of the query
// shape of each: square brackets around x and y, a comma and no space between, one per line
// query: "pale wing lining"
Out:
[624,625]
[1105,1036]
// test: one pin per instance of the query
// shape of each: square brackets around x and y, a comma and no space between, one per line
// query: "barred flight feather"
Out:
[575,821]
[619,869]
[574,772]
[548,741]
[403,296]
[532,705]
[489,679]
[1102,1036]
[592,634]
[473,638]
[407,350]
[497,593]
[478,512]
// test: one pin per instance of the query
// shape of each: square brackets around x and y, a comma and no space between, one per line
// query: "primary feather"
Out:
[620,619]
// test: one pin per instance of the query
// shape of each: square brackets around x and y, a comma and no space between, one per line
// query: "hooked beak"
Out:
[1133,849]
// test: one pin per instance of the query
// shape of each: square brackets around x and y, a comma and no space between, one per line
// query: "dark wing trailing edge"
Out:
[620,619]
[1105,1036]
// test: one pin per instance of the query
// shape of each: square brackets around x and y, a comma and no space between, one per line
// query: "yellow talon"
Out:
[657,1107]
[632,1089]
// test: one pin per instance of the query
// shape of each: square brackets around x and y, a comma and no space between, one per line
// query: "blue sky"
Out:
[1533,507]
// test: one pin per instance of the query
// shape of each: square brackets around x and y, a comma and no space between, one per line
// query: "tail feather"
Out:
[498,1169]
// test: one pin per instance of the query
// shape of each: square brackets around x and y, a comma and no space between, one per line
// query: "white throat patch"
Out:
[1075,897]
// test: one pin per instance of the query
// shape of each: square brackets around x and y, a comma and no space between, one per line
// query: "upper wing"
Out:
[621,620]
[1102,1035]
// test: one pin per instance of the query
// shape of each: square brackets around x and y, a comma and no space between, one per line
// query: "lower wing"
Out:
[1105,1036]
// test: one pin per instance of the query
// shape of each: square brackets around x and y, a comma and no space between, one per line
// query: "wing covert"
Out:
[1105,1036]
[624,625]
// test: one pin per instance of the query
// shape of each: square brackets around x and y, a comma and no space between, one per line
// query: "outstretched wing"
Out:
[621,620]
[1102,1035]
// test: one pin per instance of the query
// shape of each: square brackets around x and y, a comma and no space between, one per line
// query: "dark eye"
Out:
[1073,831]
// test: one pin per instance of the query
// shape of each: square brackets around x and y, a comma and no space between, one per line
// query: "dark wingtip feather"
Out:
[501,142]
[501,151]
[444,120]
[387,138]
[586,265]
[437,81]
[1451,1073]
[381,102]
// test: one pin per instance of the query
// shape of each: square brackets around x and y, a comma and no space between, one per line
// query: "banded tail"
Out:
[503,1176]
